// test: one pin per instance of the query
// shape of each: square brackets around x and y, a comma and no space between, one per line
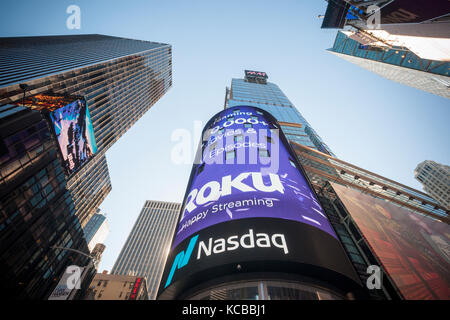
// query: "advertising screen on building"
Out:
[71,124]
[221,192]
[73,129]
[256,74]
[248,200]
[407,11]
[413,249]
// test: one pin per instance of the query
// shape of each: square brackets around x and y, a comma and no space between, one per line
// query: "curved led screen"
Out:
[249,203]
[246,173]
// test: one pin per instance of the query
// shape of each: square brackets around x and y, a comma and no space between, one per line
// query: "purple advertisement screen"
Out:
[245,171]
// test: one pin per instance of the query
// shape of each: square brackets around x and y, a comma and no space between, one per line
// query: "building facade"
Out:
[96,230]
[396,64]
[118,287]
[145,251]
[403,41]
[435,178]
[327,173]
[36,209]
[254,90]
[117,80]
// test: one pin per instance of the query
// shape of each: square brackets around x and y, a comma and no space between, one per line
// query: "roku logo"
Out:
[213,190]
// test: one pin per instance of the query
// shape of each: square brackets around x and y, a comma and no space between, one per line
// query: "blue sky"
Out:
[374,123]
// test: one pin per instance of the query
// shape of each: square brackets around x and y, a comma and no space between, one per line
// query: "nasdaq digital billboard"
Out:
[247,195]
[413,249]
[74,132]
[247,186]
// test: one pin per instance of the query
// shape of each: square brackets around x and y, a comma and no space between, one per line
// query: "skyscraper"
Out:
[64,101]
[145,251]
[119,78]
[36,209]
[396,64]
[254,90]
[403,41]
[96,230]
[221,251]
[435,178]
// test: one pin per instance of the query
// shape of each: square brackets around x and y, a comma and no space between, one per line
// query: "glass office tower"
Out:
[116,80]
[146,248]
[396,64]
[254,90]
[36,209]
[119,78]
[96,230]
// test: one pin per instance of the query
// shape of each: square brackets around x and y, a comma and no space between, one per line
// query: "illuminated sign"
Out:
[257,74]
[135,290]
[261,180]
[74,132]
[248,202]
[406,11]
[413,249]
[71,125]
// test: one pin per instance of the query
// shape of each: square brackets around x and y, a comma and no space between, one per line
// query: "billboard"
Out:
[248,200]
[407,11]
[256,74]
[74,132]
[71,125]
[68,282]
[413,249]
[335,15]
[246,187]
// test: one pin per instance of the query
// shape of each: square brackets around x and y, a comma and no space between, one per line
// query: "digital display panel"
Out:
[413,249]
[407,11]
[257,74]
[248,203]
[74,132]
[246,172]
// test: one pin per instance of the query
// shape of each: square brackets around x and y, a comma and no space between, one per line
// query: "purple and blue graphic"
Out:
[75,134]
[246,172]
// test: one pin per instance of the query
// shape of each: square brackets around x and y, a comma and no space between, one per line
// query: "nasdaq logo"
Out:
[181,259]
